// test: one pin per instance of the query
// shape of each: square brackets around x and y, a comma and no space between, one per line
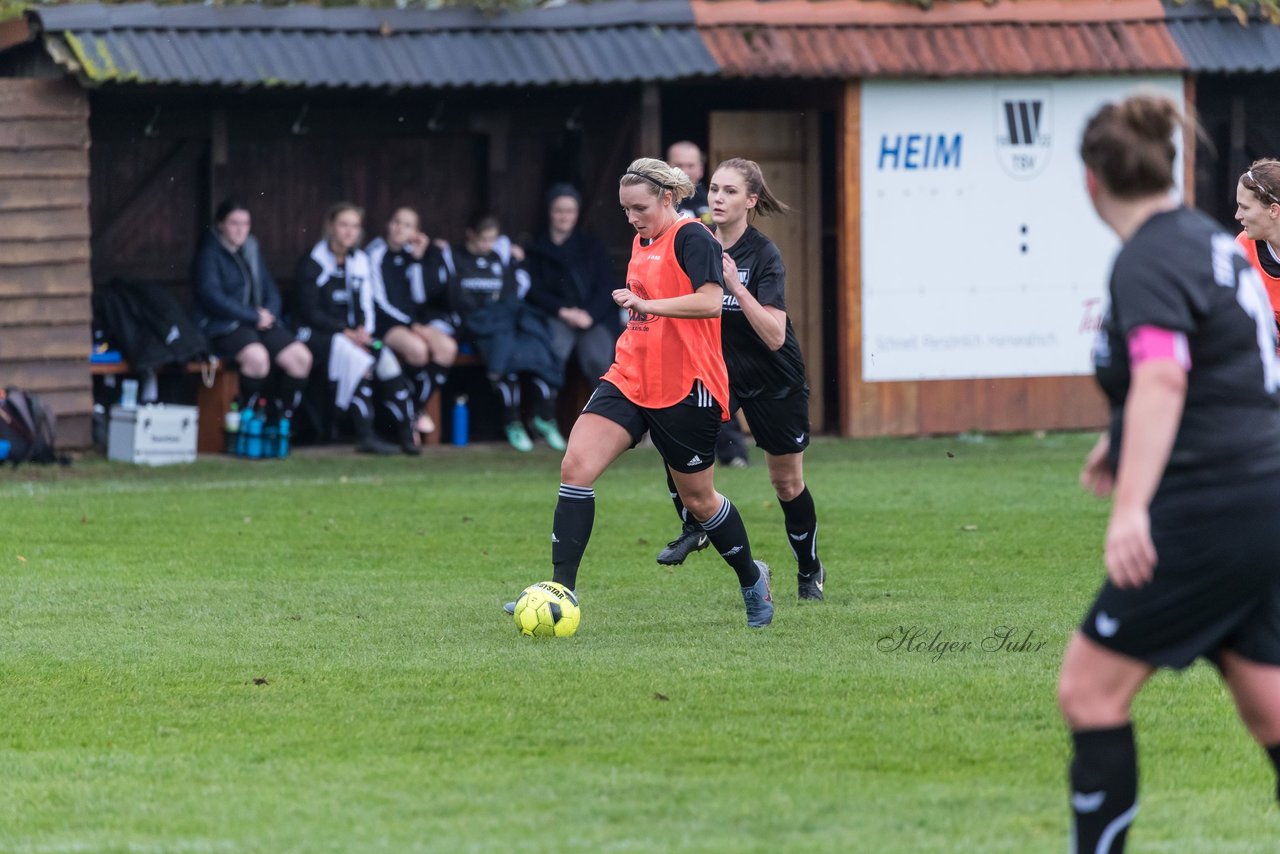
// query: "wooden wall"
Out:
[942,406]
[45,310]
[161,163]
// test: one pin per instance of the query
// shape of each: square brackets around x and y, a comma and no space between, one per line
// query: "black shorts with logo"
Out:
[684,434]
[275,339]
[1216,584]
[779,425]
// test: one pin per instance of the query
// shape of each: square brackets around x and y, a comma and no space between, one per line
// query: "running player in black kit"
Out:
[766,369]
[1186,358]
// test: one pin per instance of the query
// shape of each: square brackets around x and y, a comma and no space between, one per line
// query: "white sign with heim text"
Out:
[981,253]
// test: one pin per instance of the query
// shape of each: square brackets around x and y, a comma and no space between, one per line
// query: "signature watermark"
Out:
[937,645]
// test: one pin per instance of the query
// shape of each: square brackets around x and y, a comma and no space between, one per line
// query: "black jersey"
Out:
[474,281]
[697,205]
[754,369]
[399,292]
[330,297]
[1180,272]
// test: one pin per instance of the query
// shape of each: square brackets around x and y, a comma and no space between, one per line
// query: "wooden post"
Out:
[849,250]
[651,123]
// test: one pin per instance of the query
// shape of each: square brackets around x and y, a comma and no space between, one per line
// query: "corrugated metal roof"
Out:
[624,41]
[848,39]
[1214,40]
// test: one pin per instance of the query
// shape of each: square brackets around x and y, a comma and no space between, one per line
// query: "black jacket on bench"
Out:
[229,288]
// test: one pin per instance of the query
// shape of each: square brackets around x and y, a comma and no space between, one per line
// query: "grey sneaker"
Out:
[759,600]
[811,585]
[692,539]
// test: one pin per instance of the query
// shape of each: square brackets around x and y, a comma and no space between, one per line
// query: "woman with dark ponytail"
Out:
[1186,357]
[766,368]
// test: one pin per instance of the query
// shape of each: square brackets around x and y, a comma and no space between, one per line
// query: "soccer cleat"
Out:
[373,445]
[811,584]
[518,438]
[548,430]
[759,600]
[691,539]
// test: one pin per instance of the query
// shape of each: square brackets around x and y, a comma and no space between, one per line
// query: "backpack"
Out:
[29,427]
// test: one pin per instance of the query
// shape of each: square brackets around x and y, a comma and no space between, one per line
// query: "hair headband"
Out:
[652,180]
[1261,189]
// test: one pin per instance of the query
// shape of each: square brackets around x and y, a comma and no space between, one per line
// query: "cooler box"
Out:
[153,435]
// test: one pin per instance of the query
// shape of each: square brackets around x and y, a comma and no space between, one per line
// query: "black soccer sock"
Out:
[424,384]
[570,531]
[544,405]
[729,536]
[290,390]
[250,391]
[361,409]
[509,388]
[1104,789]
[1274,752]
[681,511]
[396,394]
[801,521]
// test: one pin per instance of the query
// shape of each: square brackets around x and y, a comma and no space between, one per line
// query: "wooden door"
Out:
[786,146]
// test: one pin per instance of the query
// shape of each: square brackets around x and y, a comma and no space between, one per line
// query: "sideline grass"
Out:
[308,656]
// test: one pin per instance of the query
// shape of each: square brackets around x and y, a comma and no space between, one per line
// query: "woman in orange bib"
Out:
[1258,212]
[668,378]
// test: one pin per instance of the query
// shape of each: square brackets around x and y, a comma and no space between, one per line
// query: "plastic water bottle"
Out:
[282,437]
[270,442]
[253,437]
[231,423]
[242,436]
[461,419]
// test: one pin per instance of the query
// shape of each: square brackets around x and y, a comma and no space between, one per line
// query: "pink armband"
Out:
[1151,342]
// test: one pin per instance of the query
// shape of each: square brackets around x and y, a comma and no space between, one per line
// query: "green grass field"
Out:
[309,656]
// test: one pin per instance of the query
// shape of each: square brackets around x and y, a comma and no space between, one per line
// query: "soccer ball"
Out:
[547,610]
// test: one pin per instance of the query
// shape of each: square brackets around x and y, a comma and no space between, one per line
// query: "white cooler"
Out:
[153,435]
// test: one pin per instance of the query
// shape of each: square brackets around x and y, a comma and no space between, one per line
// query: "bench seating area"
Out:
[218,386]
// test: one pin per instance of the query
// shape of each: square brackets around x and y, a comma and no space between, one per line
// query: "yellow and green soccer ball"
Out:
[547,610]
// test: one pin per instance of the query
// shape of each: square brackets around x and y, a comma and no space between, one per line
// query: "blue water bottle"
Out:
[253,439]
[282,437]
[241,447]
[461,420]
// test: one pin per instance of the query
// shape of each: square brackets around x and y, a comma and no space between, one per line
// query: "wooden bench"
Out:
[213,398]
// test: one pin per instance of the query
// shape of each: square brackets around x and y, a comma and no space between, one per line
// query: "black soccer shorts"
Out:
[684,434]
[779,426]
[1216,584]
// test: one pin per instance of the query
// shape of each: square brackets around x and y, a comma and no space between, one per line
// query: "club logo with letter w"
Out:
[1023,125]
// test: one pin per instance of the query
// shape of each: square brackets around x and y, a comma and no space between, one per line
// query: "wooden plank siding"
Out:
[930,407]
[45,289]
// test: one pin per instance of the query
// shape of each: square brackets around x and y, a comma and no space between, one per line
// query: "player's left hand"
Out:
[1130,554]
[731,283]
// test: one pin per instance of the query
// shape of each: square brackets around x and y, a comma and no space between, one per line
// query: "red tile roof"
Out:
[876,38]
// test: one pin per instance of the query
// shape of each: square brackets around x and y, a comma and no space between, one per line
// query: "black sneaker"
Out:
[811,584]
[373,445]
[691,539]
